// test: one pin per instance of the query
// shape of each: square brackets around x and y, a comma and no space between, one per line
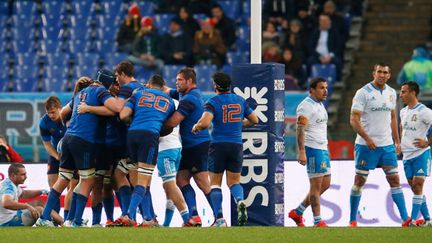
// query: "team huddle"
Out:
[374,119]
[116,130]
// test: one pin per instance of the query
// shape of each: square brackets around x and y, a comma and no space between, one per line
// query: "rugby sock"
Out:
[169,213]
[150,201]
[97,214]
[65,214]
[216,197]
[53,198]
[185,215]
[81,202]
[398,198]
[354,203]
[424,209]
[208,197]
[137,197]
[189,196]
[417,202]
[125,193]
[108,204]
[72,207]
[317,219]
[300,209]
[57,206]
[237,192]
[117,194]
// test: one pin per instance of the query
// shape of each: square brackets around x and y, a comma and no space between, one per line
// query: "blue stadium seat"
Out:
[146,8]
[204,73]
[54,84]
[58,59]
[52,7]
[29,84]
[22,46]
[161,21]
[242,45]
[23,7]
[89,71]
[238,57]
[230,8]
[25,59]
[107,47]
[4,8]
[227,68]
[78,32]
[87,59]
[142,74]
[25,71]
[109,32]
[82,7]
[111,60]
[243,33]
[4,81]
[49,45]
[327,71]
[169,74]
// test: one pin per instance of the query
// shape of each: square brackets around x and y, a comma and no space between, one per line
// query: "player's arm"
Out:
[126,114]
[251,120]
[395,131]
[358,128]
[65,112]
[174,120]
[116,104]
[302,123]
[97,110]
[32,193]
[51,150]
[203,122]
[9,203]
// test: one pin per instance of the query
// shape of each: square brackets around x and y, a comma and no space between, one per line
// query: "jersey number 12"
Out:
[230,111]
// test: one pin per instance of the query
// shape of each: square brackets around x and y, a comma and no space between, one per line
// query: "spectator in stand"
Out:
[201,6]
[128,29]
[145,50]
[271,52]
[170,6]
[295,39]
[271,35]
[306,20]
[189,25]
[337,20]
[277,10]
[225,25]
[208,46]
[419,69]
[324,45]
[7,153]
[176,46]
[294,72]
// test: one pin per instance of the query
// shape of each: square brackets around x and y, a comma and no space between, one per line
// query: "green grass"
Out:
[220,235]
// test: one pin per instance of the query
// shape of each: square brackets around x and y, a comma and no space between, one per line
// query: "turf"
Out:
[207,235]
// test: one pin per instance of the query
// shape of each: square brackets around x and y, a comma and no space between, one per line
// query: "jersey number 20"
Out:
[230,112]
[150,100]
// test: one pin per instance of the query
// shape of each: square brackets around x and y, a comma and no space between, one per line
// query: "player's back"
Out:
[151,107]
[192,107]
[127,90]
[85,125]
[228,110]
[51,130]
[115,131]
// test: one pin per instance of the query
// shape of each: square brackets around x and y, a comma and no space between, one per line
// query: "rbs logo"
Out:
[258,96]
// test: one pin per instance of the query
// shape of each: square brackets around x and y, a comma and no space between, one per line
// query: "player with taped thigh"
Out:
[312,150]
[149,108]
[373,118]
[416,120]
[193,163]
[78,151]
[229,113]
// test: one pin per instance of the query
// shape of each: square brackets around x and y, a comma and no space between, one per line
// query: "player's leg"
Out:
[101,169]
[108,196]
[183,180]
[68,200]
[52,173]
[418,169]
[86,184]
[200,163]
[216,197]
[124,191]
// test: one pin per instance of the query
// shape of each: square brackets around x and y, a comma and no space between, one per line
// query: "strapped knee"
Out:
[100,173]
[356,190]
[107,180]
[391,171]
[168,178]
[170,204]
[123,166]
[132,166]
[145,171]
[66,174]
[362,173]
[87,174]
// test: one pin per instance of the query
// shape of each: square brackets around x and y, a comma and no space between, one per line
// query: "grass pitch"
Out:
[207,235]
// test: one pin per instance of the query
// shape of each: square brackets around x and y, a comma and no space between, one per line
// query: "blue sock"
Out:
[65,214]
[354,204]
[152,213]
[108,204]
[81,202]
[237,192]
[137,196]
[146,206]
[97,214]
[72,207]
[57,206]
[424,209]
[398,198]
[317,219]
[417,202]
[185,215]
[169,212]
[125,194]
[209,199]
[300,209]
[118,196]
[53,198]
[216,196]
[189,196]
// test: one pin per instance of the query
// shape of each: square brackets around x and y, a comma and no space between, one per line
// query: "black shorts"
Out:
[225,156]
[194,159]
[101,157]
[53,166]
[77,154]
[114,153]
[143,146]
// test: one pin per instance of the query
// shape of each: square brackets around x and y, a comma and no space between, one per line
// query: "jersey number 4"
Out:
[151,100]
[231,112]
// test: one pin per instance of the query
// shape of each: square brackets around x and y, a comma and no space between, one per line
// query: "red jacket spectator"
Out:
[7,153]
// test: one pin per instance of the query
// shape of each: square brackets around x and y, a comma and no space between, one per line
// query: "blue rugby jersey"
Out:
[151,107]
[228,111]
[51,130]
[85,125]
[127,89]
[115,131]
